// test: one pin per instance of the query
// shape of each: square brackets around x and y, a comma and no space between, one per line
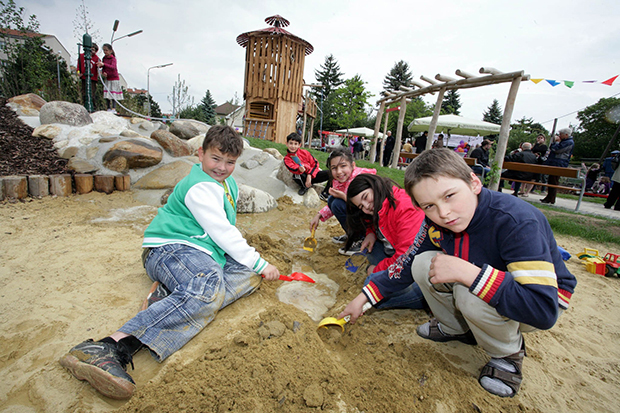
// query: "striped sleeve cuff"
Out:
[260,265]
[372,293]
[486,284]
[564,298]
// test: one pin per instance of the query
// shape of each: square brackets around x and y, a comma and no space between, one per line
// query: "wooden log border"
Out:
[62,185]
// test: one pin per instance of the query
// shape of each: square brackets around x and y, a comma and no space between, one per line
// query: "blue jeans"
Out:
[339,209]
[410,297]
[200,288]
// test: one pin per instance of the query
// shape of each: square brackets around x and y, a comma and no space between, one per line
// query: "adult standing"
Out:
[420,143]
[93,73]
[524,155]
[389,147]
[614,194]
[559,155]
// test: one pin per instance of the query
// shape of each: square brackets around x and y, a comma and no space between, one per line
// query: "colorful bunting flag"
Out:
[537,80]
[552,82]
[609,81]
[569,84]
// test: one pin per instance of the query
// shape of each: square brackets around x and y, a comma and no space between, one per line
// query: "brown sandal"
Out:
[511,379]
[435,334]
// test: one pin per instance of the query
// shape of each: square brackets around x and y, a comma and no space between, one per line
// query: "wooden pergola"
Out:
[440,85]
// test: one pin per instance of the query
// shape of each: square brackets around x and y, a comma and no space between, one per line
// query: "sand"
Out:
[70,270]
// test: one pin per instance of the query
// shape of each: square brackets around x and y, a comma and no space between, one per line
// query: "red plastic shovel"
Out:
[296,276]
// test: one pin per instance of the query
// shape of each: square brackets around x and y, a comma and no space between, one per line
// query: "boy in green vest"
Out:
[201,260]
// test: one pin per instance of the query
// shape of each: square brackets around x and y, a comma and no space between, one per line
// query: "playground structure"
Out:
[273,84]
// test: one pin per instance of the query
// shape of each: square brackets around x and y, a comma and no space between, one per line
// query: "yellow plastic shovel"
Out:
[343,321]
[310,242]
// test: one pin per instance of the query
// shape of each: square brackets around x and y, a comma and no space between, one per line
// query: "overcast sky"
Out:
[571,40]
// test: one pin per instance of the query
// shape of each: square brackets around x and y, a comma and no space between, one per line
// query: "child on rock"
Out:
[304,167]
[382,210]
[342,170]
[203,263]
[487,264]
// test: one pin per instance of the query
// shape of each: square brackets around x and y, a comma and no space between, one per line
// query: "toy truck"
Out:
[612,264]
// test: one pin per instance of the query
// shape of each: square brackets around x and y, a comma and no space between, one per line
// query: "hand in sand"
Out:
[271,273]
[354,308]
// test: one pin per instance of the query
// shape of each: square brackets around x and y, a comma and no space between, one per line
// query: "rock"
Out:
[250,164]
[184,129]
[91,152]
[286,176]
[160,125]
[146,125]
[253,200]
[311,199]
[131,154]
[68,152]
[108,139]
[196,142]
[108,121]
[272,329]
[313,395]
[27,105]
[128,133]
[135,120]
[47,131]
[173,145]
[166,176]
[59,112]
[274,152]
[81,166]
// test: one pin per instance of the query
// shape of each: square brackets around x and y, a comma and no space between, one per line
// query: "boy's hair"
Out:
[225,139]
[357,220]
[293,136]
[434,163]
[339,152]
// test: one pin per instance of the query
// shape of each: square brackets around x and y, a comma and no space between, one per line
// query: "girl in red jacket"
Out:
[112,91]
[380,208]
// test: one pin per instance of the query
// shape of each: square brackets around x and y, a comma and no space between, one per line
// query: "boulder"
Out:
[108,121]
[274,153]
[253,200]
[146,125]
[59,112]
[68,152]
[286,176]
[184,129]
[128,133]
[311,198]
[81,166]
[47,131]
[131,153]
[27,105]
[171,143]
[166,176]
[196,142]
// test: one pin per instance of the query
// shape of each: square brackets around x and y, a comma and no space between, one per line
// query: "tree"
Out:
[329,76]
[451,103]
[399,75]
[524,130]
[207,106]
[351,101]
[30,66]
[180,99]
[596,127]
[493,114]
[82,24]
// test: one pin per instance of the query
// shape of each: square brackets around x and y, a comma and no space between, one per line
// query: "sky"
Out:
[570,40]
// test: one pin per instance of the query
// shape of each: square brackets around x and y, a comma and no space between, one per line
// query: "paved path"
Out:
[591,209]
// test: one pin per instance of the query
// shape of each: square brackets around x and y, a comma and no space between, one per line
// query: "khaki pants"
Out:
[459,310]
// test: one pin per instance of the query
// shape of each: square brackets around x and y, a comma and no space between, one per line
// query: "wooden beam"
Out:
[373,149]
[399,132]
[433,125]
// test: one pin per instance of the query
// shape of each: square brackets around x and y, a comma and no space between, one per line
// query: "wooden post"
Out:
[399,131]
[303,131]
[83,183]
[122,182]
[60,185]
[387,115]
[104,183]
[375,138]
[1,188]
[433,125]
[502,143]
[15,186]
[39,185]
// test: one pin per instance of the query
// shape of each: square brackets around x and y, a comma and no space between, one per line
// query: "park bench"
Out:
[470,161]
[572,174]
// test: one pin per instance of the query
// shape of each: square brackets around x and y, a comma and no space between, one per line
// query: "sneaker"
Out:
[157,293]
[302,191]
[323,196]
[356,247]
[340,239]
[103,365]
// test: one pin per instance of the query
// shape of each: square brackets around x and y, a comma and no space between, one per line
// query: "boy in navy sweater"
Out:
[487,264]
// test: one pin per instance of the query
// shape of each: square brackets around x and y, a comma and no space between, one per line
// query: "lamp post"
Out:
[148,74]
[58,73]
[115,27]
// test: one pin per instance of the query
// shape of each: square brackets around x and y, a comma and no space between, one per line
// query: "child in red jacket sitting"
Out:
[304,166]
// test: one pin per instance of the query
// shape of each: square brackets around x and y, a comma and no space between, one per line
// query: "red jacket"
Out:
[93,66]
[399,225]
[311,164]
[109,68]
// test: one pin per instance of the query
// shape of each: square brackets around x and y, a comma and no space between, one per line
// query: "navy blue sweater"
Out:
[522,273]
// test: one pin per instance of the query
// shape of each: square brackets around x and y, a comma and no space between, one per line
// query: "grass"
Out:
[602,230]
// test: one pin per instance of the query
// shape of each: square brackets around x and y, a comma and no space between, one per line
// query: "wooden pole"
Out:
[375,138]
[504,131]
[399,132]
[104,183]
[39,185]
[433,125]
[83,183]
[555,124]
[303,131]
[611,141]
[15,186]
[387,116]
[60,185]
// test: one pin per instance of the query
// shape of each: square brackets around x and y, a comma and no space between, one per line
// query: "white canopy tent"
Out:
[361,131]
[454,124]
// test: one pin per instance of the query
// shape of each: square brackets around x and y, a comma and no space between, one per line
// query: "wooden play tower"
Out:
[273,90]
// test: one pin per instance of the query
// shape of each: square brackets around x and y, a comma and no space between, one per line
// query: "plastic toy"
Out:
[594,264]
[612,264]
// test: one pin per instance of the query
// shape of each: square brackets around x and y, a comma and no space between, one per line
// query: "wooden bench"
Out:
[470,161]
[572,173]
